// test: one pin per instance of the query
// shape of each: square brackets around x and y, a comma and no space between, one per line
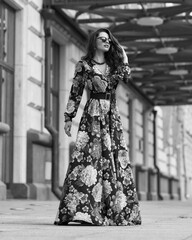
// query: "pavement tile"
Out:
[161,220]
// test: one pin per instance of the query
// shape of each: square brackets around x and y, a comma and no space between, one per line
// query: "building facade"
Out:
[39,48]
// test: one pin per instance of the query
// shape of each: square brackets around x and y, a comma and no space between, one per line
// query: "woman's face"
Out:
[103,42]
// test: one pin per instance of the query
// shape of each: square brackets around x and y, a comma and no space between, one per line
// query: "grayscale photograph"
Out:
[95,119]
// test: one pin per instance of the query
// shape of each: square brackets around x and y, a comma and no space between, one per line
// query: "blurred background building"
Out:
[40,43]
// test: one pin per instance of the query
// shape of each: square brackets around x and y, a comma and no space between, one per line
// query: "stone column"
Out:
[149,171]
[19,187]
[146,136]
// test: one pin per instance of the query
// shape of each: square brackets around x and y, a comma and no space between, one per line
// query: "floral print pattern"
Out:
[99,187]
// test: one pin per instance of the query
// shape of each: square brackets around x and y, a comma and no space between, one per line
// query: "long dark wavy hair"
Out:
[114,57]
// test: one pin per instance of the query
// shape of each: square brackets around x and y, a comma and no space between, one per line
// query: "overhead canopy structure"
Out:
[157,36]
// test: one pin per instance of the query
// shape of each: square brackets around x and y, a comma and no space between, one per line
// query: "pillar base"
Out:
[20,190]
[3,191]
[152,196]
[142,196]
[141,181]
[37,191]
[165,196]
[40,191]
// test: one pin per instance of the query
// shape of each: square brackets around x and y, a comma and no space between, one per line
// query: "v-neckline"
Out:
[97,70]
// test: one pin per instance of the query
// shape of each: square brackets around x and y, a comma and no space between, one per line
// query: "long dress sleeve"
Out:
[76,92]
[124,72]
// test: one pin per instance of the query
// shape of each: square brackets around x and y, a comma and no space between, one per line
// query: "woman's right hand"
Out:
[125,59]
[67,128]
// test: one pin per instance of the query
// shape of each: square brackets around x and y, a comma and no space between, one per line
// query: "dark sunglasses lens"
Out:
[105,40]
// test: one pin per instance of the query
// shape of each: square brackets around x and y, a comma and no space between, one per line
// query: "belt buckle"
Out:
[108,96]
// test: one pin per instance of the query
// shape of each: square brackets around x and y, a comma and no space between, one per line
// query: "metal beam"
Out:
[70,3]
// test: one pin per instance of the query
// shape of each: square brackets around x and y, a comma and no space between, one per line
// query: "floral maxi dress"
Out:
[99,187]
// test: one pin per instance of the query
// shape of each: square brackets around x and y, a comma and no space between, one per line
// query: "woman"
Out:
[99,187]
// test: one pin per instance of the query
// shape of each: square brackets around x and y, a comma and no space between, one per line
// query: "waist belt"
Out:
[107,96]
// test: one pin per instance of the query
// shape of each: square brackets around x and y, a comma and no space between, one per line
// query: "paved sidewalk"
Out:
[165,220]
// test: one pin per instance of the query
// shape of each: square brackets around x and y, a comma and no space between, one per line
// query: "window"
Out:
[7,31]
[54,85]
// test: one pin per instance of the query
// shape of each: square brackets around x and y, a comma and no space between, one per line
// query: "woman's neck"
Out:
[99,57]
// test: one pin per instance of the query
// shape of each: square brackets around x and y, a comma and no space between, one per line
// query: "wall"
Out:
[174,151]
[71,56]
[122,103]
[187,152]
[32,142]
[29,85]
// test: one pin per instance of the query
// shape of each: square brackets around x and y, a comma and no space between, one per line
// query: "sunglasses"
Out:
[104,39]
